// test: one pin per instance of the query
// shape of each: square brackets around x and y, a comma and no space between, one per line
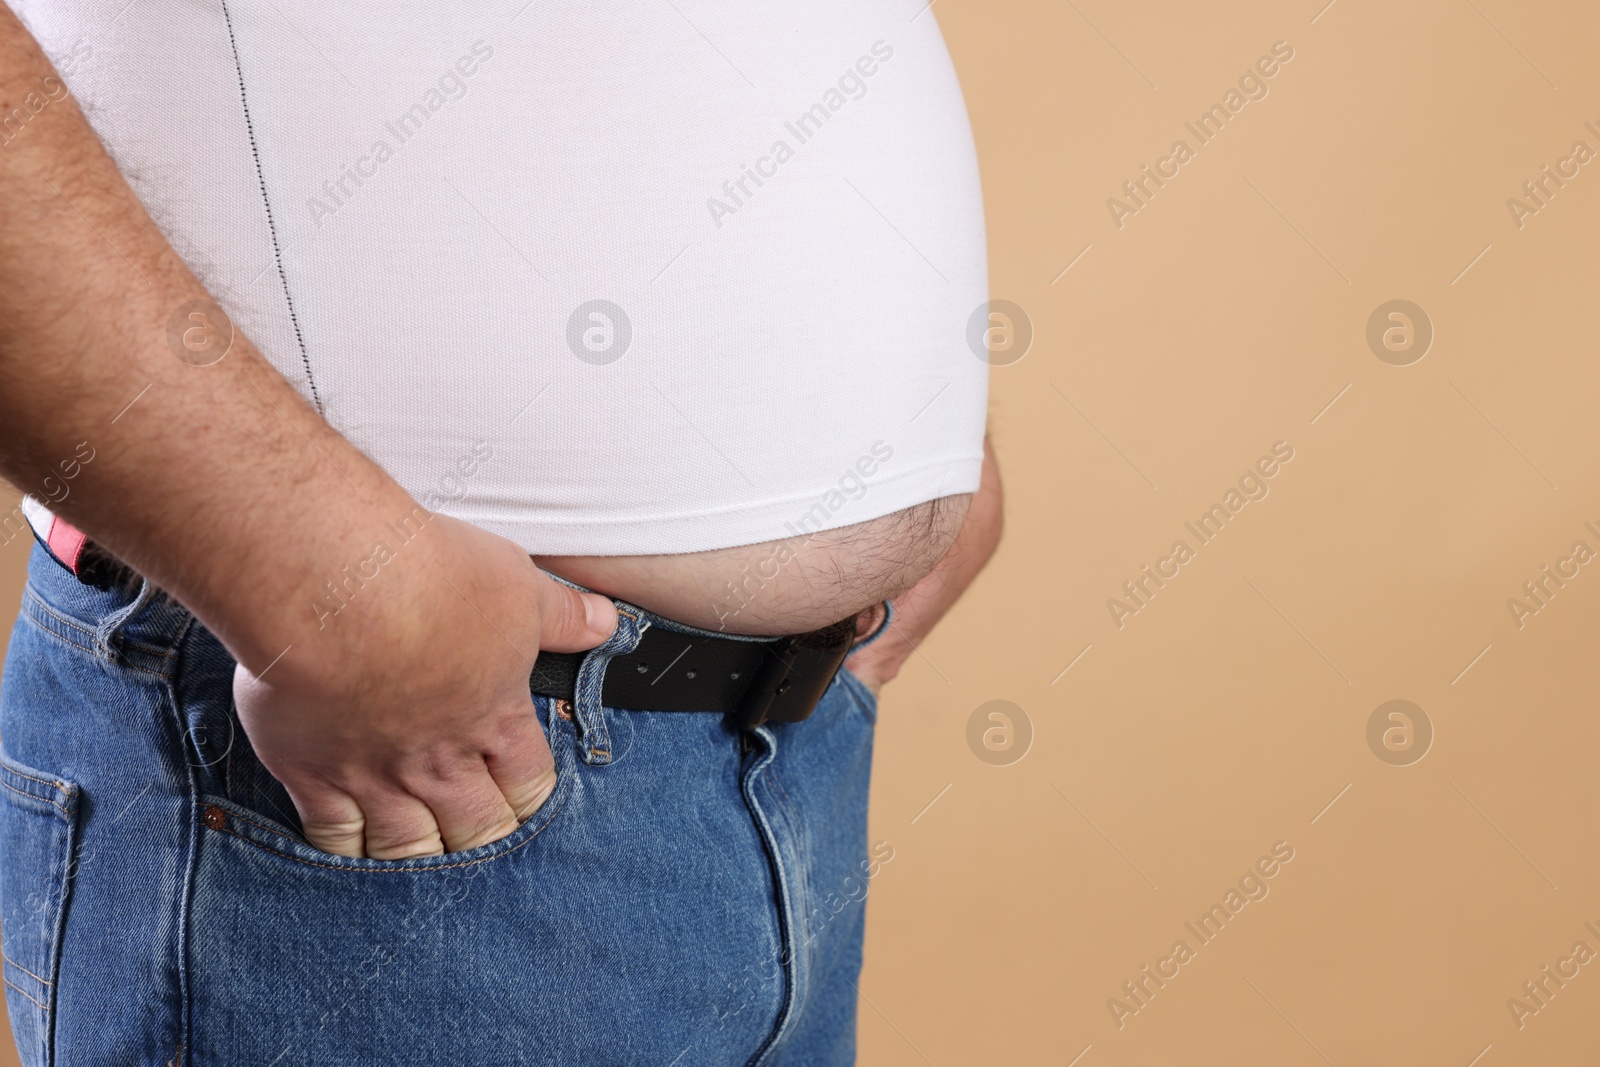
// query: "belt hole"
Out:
[643,668]
[689,673]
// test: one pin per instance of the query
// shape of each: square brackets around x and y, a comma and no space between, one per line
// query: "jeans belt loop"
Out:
[588,703]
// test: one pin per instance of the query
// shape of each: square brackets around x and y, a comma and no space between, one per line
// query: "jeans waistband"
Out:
[143,625]
[135,623]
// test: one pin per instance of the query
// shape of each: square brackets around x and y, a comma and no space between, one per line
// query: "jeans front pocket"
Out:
[38,833]
[270,832]
[865,698]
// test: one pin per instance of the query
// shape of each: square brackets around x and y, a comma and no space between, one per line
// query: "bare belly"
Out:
[780,587]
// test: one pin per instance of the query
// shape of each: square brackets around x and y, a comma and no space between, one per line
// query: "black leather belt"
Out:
[754,681]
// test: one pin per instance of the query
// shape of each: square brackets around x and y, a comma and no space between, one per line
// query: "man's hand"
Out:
[404,726]
[918,609]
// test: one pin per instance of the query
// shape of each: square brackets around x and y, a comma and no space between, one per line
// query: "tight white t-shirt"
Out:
[606,278]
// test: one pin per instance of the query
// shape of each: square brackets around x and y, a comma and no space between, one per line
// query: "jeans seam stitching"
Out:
[396,870]
[386,870]
[31,796]
[24,992]
[782,884]
[33,608]
[66,620]
[25,970]
[53,783]
[32,604]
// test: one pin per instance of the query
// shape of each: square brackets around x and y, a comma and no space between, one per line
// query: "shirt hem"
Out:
[705,531]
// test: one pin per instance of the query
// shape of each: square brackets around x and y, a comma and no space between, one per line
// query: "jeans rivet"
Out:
[215,817]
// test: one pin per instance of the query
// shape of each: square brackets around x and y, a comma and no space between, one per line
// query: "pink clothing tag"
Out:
[63,540]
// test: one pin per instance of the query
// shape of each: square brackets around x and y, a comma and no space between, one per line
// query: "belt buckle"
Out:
[792,678]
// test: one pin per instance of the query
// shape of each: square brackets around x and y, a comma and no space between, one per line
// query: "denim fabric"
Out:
[688,894]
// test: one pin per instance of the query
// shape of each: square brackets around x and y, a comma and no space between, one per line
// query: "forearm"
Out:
[218,482]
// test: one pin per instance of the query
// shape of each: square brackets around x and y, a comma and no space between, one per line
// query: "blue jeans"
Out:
[688,895]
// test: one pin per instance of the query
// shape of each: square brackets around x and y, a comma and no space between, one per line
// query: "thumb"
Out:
[571,621]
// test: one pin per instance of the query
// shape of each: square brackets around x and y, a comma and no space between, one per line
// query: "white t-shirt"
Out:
[622,277]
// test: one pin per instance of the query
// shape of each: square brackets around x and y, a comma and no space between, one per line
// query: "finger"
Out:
[524,769]
[330,819]
[468,809]
[571,621]
[400,826]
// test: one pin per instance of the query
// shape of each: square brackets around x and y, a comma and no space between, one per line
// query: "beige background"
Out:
[1231,712]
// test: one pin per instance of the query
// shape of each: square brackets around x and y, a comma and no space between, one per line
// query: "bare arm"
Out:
[919,609]
[394,730]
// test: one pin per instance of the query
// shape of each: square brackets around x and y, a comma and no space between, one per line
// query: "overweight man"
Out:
[485,459]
